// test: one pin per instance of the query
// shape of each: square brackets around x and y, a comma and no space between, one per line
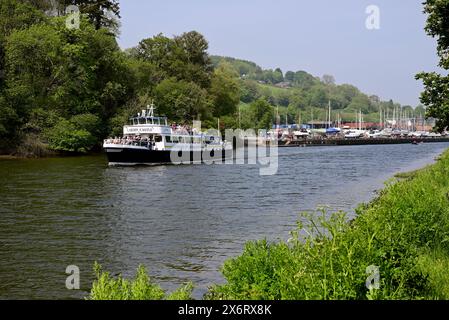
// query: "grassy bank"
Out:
[404,233]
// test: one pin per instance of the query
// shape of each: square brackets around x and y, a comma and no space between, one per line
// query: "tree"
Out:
[290,76]
[318,96]
[102,13]
[73,72]
[66,136]
[182,101]
[436,87]
[14,15]
[328,79]
[262,114]
[360,103]
[225,90]
[185,57]
[304,80]
[249,91]
[279,75]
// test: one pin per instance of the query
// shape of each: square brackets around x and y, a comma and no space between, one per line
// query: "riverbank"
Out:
[403,233]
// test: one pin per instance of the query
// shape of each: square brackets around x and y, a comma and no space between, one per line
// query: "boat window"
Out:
[168,139]
[158,138]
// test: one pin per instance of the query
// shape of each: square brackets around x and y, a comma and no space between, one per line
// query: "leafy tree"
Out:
[304,80]
[283,98]
[262,114]
[89,122]
[290,76]
[74,71]
[360,102]
[436,94]
[225,90]
[184,57]
[297,100]
[328,79]
[65,136]
[101,13]
[318,96]
[14,15]
[182,100]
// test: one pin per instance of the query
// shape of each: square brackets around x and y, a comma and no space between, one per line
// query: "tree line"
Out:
[68,88]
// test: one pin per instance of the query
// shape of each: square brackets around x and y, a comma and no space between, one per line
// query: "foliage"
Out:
[83,71]
[225,90]
[262,114]
[436,94]
[302,93]
[72,72]
[66,136]
[101,13]
[184,57]
[182,100]
[141,287]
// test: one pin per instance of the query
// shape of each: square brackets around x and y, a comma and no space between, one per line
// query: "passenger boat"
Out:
[150,140]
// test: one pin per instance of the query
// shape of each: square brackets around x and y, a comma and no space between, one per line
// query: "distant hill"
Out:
[299,92]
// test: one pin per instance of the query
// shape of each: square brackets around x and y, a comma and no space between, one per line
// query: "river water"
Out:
[181,222]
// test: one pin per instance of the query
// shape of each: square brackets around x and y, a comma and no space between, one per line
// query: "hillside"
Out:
[301,95]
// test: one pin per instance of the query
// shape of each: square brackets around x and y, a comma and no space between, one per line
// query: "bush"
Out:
[65,136]
[88,122]
[141,287]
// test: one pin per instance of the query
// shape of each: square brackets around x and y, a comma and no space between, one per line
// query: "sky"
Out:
[320,37]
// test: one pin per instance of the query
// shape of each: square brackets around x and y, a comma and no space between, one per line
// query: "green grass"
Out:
[404,232]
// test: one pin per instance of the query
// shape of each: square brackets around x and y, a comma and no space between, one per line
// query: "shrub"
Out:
[141,287]
[65,136]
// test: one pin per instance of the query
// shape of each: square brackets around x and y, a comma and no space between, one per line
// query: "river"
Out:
[182,222]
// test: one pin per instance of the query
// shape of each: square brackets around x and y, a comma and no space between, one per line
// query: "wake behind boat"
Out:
[149,140]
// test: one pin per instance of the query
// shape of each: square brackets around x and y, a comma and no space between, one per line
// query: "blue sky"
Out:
[320,37]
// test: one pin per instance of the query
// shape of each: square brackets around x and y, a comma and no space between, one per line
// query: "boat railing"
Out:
[130,142]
